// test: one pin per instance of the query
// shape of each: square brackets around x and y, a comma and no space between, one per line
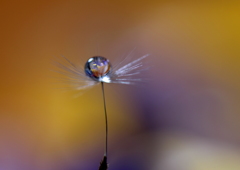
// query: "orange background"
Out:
[187,115]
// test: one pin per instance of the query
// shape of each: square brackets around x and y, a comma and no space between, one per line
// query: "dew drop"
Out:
[98,68]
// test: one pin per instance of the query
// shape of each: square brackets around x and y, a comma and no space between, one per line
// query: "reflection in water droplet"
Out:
[98,69]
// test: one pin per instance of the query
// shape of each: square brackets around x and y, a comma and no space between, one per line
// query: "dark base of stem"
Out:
[103,164]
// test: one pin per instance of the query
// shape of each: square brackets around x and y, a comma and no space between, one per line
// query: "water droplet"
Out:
[98,69]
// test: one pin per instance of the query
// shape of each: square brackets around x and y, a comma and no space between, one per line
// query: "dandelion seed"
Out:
[98,69]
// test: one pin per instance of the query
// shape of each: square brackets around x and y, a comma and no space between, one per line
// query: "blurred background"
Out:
[186,117]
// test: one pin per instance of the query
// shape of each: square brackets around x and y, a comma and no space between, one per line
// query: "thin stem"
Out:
[106,120]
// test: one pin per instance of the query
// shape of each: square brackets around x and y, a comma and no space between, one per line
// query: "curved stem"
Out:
[106,120]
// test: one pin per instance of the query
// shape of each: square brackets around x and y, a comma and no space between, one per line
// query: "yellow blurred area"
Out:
[186,117]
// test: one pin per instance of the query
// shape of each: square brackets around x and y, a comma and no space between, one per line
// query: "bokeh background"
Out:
[186,117]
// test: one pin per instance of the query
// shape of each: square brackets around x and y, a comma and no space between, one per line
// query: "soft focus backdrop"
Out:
[186,117]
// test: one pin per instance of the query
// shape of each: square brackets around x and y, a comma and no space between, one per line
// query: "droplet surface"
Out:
[98,69]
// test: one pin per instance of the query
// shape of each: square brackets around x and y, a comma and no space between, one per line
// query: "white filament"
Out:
[126,74]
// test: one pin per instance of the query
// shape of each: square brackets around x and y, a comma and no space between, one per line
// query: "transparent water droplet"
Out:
[98,68]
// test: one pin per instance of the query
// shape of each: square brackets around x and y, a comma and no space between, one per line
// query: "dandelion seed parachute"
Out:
[99,70]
